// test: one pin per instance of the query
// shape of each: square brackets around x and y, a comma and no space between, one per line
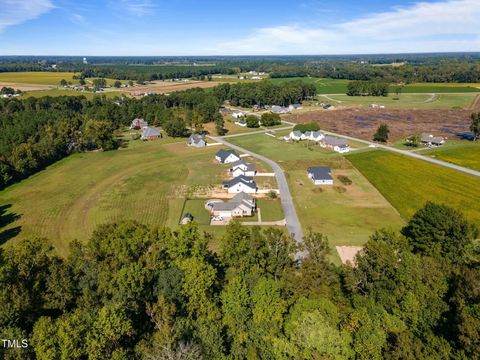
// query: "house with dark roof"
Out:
[320,175]
[240,205]
[241,183]
[138,123]
[431,140]
[335,144]
[197,140]
[242,168]
[226,156]
[150,133]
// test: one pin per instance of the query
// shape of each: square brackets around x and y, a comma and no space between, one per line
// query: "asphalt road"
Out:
[293,223]
[411,154]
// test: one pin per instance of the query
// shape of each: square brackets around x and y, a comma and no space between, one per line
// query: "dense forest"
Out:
[134,292]
[454,67]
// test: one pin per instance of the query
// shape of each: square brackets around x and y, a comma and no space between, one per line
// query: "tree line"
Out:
[264,93]
[367,88]
[136,292]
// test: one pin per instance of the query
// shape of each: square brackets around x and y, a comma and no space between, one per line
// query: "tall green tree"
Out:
[475,125]
[382,133]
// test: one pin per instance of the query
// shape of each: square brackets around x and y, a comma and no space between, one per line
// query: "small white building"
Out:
[320,175]
[238,115]
[241,123]
[197,140]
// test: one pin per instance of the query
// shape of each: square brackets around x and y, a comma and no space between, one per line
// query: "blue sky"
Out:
[214,27]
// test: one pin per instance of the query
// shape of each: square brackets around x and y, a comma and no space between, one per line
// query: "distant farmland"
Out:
[32,77]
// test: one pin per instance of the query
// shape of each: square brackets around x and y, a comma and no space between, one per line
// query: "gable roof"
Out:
[246,180]
[320,172]
[240,199]
[316,133]
[196,138]
[297,133]
[223,154]
[248,166]
[425,137]
[148,131]
[334,141]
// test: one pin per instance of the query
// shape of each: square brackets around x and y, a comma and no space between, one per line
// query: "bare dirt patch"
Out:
[26,87]
[362,123]
[347,253]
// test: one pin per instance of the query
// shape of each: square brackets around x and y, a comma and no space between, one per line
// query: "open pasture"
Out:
[462,152]
[408,183]
[36,77]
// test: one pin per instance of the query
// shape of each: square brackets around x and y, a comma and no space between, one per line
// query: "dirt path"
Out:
[475,105]
[432,98]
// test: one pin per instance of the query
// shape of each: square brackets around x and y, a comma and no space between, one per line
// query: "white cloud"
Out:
[13,12]
[422,27]
[137,7]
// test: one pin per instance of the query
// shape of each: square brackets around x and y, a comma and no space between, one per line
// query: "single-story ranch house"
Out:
[150,133]
[430,140]
[242,168]
[197,140]
[320,175]
[240,205]
[335,144]
[241,183]
[226,156]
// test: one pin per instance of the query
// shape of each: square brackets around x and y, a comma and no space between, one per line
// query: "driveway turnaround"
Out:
[293,224]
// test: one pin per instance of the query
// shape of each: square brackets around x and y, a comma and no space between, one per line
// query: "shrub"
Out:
[345,180]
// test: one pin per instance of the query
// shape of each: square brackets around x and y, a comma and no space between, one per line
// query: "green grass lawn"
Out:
[347,218]
[339,86]
[462,152]
[408,183]
[196,207]
[148,182]
[406,101]
[271,209]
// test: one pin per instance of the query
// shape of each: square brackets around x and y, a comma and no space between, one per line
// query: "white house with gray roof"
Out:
[320,175]
[241,183]
[197,140]
[242,168]
[240,205]
[430,140]
[226,156]
[336,144]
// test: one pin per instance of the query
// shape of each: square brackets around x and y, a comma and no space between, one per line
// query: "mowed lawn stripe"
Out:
[408,183]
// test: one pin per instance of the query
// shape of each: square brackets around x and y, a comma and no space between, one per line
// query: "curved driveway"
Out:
[293,224]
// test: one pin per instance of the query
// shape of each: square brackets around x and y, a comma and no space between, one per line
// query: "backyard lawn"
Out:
[408,183]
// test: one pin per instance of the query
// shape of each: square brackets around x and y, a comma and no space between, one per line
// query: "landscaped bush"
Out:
[345,180]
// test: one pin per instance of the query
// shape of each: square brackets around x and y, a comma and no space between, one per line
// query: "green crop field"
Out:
[339,86]
[36,77]
[408,183]
[463,153]
[405,101]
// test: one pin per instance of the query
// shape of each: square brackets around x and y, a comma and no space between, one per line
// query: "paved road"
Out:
[263,130]
[293,223]
[411,154]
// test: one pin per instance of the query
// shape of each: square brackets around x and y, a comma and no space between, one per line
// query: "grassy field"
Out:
[271,209]
[36,77]
[146,181]
[348,215]
[405,101]
[339,86]
[460,152]
[408,183]
[63,92]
